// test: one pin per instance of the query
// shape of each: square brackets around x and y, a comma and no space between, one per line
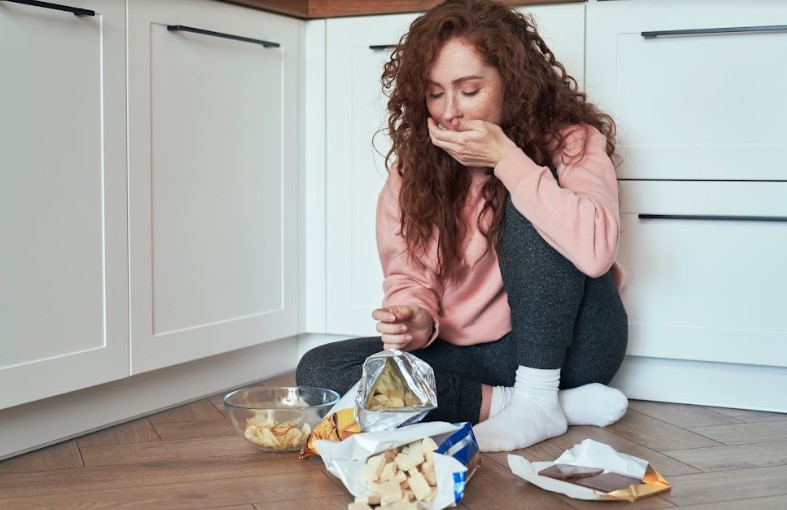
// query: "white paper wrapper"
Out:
[591,453]
[347,458]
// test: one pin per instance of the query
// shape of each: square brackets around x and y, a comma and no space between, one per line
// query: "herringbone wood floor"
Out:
[189,457]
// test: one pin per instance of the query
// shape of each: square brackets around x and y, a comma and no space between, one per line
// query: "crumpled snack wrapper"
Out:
[455,460]
[337,425]
[591,453]
[396,389]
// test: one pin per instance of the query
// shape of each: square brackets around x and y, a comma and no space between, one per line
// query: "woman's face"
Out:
[462,86]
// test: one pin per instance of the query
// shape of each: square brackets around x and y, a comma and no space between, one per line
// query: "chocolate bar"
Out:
[606,482]
[569,471]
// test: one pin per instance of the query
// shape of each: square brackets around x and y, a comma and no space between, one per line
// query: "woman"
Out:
[497,230]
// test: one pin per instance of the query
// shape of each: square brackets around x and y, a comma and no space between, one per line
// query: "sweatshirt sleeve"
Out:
[406,280]
[579,215]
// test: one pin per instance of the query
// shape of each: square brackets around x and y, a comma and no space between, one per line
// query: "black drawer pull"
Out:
[76,11]
[378,47]
[713,31]
[705,217]
[183,28]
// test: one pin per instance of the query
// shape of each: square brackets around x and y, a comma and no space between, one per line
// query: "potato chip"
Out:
[266,433]
[390,391]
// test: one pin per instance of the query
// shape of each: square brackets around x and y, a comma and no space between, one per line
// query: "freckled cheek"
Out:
[488,109]
[432,108]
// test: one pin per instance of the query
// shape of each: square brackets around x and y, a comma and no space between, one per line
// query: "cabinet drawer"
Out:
[693,86]
[706,270]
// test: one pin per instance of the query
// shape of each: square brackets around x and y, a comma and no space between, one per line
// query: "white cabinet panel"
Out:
[63,284]
[213,171]
[355,169]
[563,29]
[692,103]
[707,276]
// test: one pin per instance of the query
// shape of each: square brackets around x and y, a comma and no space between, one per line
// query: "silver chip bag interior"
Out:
[396,389]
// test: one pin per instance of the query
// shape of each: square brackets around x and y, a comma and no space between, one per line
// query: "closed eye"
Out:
[471,93]
[435,95]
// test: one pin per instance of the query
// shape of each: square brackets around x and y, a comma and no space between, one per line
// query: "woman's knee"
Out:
[525,256]
[312,367]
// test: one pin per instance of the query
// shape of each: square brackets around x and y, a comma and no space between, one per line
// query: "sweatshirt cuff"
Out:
[515,167]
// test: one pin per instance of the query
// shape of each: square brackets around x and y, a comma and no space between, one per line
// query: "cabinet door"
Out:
[355,167]
[63,263]
[706,277]
[563,29]
[213,179]
[355,151]
[697,87]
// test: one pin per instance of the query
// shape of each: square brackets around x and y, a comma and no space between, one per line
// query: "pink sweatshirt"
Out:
[579,218]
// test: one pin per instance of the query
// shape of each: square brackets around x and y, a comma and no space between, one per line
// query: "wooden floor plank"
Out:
[681,415]
[137,431]
[735,485]
[190,495]
[185,449]
[195,429]
[60,456]
[722,458]
[328,503]
[199,410]
[748,416]
[770,503]
[745,433]
[20,485]
[656,434]
[541,452]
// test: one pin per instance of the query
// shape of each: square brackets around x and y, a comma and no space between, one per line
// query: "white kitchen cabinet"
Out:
[696,87]
[356,49]
[699,102]
[705,295]
[707,275]
[213,179]
[63,276]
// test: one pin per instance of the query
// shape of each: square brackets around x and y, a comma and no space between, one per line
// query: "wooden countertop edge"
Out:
[311,9]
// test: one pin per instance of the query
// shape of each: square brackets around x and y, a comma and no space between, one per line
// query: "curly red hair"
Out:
[540,101]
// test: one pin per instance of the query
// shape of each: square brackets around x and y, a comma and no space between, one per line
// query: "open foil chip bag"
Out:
[396,389]
[390,378]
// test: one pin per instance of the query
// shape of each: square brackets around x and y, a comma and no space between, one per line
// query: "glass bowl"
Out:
[278,418]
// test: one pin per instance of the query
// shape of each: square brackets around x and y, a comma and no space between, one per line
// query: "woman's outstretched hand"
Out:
[473,143]
[404,327]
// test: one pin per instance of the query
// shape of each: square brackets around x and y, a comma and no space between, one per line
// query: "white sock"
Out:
[532,415]
[591,404]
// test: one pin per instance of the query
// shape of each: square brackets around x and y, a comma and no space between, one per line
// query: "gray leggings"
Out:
[560,318]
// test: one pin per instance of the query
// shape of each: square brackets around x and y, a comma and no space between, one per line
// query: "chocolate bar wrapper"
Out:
[591,453]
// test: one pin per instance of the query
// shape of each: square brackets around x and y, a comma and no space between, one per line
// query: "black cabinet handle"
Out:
[183,28]
[76,11]
[713,31]
[378,47]
[704,217]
